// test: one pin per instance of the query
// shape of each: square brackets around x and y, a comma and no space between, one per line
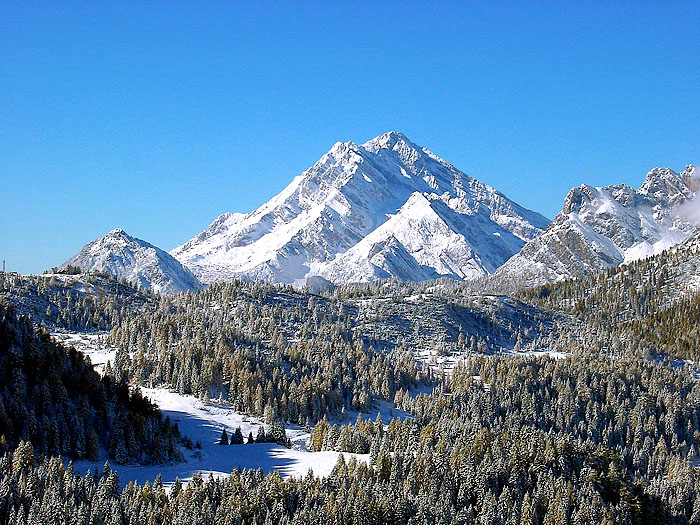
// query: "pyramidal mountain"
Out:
[603,227]
[386,208]
[141,263]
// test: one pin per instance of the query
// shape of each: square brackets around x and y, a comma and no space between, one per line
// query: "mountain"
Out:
[605,227]
[386,208]
[124,256]
[424,240]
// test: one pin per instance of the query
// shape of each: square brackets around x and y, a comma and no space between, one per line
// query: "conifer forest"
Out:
[573,402]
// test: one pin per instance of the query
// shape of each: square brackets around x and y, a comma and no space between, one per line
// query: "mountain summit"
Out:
[123,256]
[386,208]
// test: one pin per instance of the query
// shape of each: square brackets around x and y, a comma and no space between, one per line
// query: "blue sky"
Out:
[157,116]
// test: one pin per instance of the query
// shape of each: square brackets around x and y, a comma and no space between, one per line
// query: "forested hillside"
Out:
[655,299]
[590,439]
[51,396]
[675,330]
[618,294]
[603,428]
[268,350]
[73,299]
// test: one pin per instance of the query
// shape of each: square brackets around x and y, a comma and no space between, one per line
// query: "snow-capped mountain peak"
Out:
[347,195]
[123,256]
[602,227]
[669,188]
[393,140]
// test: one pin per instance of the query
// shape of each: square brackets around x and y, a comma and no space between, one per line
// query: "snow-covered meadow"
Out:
[203,422]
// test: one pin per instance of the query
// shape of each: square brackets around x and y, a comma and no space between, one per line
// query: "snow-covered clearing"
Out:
[538,353]
[204,422]
[446,363]
[440,362]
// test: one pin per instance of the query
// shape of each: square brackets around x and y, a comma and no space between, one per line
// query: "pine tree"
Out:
[237,437]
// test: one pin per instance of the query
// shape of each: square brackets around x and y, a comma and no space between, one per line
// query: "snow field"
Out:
[203,422]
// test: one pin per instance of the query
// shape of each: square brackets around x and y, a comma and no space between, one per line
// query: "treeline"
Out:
[52,397]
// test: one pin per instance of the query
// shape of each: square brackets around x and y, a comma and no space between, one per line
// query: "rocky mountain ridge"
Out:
[604,227]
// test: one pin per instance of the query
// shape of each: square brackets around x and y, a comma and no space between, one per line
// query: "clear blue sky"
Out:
[158,116]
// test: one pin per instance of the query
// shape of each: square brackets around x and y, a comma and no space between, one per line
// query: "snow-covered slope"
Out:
[123,256]
[385,208]
[603,227]
[424,240]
